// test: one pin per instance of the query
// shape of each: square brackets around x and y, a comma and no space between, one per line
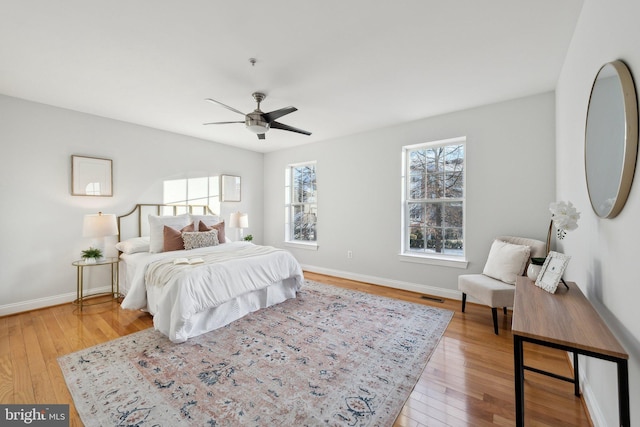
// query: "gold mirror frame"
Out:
[602,155]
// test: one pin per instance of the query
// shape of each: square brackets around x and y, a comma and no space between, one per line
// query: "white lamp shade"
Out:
[243,220]
[99,225]
[239,220]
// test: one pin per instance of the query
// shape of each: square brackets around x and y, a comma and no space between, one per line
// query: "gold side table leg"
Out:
[117,267]
[80,286]
[115,281]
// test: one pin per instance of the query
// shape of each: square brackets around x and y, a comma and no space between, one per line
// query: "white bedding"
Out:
[241,282]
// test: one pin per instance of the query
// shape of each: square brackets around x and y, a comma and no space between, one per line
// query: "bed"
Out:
[202,286]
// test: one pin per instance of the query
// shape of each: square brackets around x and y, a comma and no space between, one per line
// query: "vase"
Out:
[533,271]
[90,261]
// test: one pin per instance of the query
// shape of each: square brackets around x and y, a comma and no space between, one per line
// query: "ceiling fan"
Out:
[259,122]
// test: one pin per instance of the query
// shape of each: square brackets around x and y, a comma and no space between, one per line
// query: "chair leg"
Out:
[464,301]
[494,313]
[504,309]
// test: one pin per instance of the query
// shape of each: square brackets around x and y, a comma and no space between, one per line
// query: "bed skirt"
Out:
[226,313]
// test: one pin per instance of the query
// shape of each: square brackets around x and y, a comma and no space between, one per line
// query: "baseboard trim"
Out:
[590,401]
[35,304]
[8,309]
[406,286]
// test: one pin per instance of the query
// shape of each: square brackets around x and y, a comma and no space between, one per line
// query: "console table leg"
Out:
[576,375]
[623,393]
[518,363]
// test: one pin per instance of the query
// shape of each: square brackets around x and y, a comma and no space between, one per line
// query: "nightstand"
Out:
[115,284]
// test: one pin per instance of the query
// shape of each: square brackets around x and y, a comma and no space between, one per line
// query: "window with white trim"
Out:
[433,199]
[301,203]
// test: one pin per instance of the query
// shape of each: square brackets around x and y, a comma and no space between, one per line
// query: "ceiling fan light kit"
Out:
[258,122]
[255,124]
[254,121]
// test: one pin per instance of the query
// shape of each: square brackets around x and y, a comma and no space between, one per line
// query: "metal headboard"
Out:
[142,210]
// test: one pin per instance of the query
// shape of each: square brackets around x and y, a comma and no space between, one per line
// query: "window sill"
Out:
[300,245]
[442,261]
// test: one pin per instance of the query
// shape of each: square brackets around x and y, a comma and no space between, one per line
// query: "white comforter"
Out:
[242,268]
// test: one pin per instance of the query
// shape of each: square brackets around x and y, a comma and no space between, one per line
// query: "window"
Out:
[433,199]
[301,203]
[193,191]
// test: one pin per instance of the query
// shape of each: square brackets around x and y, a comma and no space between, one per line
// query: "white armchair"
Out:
[508,258]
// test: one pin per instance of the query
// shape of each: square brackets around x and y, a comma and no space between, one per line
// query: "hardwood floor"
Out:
[467,382]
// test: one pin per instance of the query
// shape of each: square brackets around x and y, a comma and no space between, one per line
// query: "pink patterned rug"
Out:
[332,356]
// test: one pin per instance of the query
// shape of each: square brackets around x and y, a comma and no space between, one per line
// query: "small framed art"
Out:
[91,176]
[552,270]
[230,188]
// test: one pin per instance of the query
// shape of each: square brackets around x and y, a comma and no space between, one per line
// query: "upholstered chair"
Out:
[508,258]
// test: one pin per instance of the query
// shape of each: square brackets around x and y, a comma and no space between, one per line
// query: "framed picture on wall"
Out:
[230,188]
[91,176]
[552,270]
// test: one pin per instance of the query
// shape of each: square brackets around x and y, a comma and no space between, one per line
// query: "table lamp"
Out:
[239,220]
[98,226]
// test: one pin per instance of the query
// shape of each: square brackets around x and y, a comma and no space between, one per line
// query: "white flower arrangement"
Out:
[564,217]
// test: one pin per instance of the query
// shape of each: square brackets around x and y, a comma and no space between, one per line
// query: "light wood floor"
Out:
[467,382]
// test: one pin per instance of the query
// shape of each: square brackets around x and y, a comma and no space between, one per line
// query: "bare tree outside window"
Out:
[435,199]
[301,196]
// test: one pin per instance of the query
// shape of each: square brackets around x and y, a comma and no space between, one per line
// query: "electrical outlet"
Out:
[349,254]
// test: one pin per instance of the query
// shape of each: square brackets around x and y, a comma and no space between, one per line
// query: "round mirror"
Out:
[611,139]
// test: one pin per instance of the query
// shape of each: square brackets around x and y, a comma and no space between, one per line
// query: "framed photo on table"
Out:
[552,270]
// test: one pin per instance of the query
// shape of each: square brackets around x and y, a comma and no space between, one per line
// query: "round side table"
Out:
[115,284]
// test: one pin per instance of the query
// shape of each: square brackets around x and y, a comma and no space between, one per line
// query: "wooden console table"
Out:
[567,321]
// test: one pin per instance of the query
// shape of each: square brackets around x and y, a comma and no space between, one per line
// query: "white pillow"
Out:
[506,261]
[134,245]
[156,229]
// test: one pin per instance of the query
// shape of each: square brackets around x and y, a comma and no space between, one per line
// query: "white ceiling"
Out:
[347,65]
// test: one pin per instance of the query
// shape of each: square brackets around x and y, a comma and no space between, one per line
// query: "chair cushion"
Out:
[506,261]
[488,291]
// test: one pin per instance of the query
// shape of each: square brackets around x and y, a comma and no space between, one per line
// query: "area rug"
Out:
[331,356]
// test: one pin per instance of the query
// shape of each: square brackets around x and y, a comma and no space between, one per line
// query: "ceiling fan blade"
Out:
[277,125]
[220,123]
[224,105]
[261,136]
[276,114]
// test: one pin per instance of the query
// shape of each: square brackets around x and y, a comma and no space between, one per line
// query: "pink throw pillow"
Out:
[173,238]
[219,226]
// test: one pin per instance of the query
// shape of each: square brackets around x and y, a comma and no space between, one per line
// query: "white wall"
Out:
[510,183]
[603,251]
[41,223]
